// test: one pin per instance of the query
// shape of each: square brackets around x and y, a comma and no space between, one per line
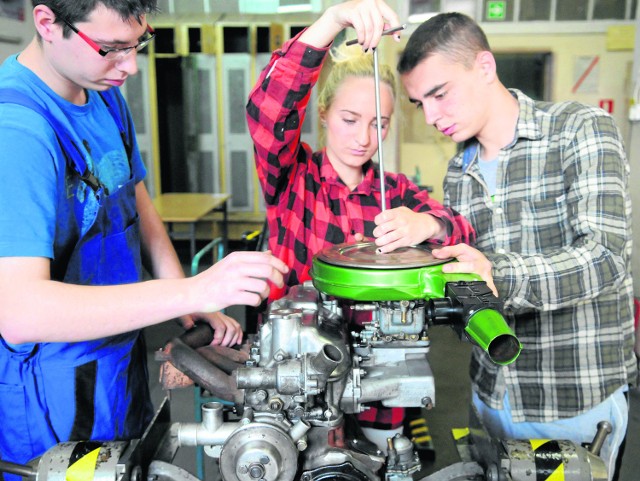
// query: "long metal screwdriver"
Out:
[376,79]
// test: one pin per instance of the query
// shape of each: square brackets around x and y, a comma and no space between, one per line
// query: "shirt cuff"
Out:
[310,57]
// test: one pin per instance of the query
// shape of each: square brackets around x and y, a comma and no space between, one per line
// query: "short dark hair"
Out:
[74,11]
[453,35]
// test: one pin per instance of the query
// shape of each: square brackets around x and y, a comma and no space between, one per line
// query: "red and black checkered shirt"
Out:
[308,207]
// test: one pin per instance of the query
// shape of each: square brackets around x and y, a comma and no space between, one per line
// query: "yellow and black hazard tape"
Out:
[83,461]
[548,459]
[418,431]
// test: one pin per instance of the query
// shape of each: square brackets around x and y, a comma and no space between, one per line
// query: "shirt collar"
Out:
[527,127]
[369,183]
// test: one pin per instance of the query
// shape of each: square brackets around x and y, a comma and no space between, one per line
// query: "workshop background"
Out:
[188,100]
[188,105]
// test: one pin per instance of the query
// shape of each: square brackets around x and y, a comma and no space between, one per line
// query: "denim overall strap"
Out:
[56,392]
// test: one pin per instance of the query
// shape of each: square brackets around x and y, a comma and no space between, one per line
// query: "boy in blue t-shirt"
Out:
[77,226]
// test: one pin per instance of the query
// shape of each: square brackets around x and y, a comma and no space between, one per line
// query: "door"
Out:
[137,93]
[238,147]
[201,123]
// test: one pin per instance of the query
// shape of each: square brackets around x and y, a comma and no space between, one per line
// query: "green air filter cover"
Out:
[358,272]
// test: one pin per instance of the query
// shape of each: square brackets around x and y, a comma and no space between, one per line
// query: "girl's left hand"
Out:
[402,227]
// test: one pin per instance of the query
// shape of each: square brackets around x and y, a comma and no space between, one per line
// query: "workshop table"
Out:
[190,208]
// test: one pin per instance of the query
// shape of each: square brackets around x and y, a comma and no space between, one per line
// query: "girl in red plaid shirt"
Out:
[318,199]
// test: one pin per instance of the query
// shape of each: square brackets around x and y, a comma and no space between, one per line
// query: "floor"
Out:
[448,357]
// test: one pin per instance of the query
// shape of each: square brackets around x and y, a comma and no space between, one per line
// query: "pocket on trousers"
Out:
[15,436]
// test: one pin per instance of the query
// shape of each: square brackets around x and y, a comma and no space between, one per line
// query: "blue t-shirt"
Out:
[489,171]
[34,171]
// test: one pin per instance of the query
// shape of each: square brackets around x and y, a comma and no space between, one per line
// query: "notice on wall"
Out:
[586,71]
[621,37]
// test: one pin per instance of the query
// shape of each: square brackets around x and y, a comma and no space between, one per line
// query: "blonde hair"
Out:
[351,62]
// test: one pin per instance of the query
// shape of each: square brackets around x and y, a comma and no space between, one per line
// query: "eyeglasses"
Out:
[114,53]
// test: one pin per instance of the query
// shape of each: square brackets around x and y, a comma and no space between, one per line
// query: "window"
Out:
[566,10]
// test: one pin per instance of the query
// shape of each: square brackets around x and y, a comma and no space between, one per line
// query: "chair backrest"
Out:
[263,238]
[257,240]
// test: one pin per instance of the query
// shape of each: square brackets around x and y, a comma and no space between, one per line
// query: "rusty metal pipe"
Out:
[219,360]
[200,335]
[204,373]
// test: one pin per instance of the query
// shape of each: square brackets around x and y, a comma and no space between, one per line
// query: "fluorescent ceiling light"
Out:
[302,7]
[421,17]
[263,6]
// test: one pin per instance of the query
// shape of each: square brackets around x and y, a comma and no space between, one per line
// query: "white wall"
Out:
[15,34]
[633,150]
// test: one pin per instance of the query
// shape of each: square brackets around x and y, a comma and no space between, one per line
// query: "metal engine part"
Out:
[306,372]
[309,371]
[306,348]
[303,377]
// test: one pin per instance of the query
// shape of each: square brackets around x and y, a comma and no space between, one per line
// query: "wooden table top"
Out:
[187,206]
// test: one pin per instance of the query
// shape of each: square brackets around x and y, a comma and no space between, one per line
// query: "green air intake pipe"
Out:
[471,307]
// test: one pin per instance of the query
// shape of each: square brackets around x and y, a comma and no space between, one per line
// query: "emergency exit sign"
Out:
[496,10]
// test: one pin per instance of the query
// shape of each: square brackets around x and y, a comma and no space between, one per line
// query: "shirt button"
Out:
[499,210]
[501,251]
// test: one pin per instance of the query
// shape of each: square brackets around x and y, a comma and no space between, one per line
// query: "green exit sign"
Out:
[496,10]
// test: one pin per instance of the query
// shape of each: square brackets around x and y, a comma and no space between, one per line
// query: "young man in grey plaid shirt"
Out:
[545,186]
